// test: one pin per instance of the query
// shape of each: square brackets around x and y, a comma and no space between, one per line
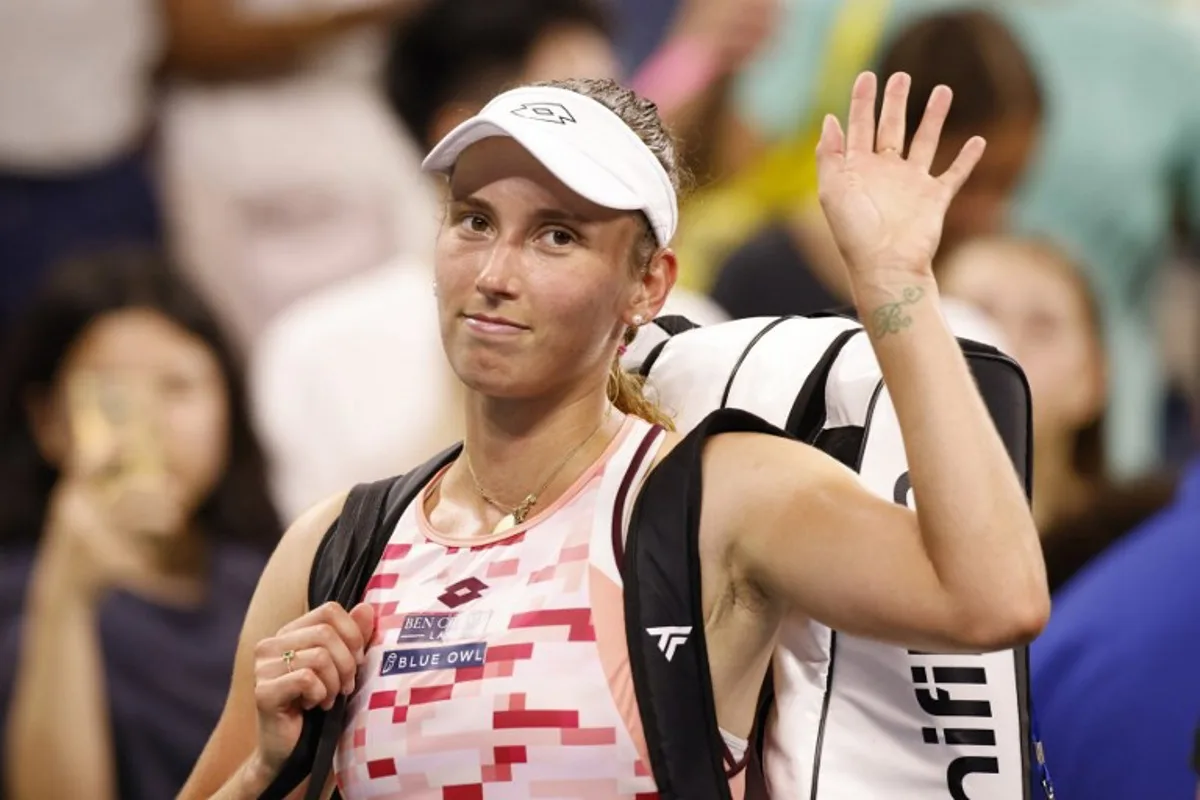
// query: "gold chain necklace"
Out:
[517,514]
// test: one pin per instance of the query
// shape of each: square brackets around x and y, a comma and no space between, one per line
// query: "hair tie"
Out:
[621,350]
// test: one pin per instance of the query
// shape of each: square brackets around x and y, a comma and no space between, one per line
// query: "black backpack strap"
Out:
[664,615]
[342,567]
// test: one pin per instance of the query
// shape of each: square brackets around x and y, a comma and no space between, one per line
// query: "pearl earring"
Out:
[638,319]
[435,288]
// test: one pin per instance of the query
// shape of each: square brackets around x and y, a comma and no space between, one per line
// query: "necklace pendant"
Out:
[521,512]
[507,522]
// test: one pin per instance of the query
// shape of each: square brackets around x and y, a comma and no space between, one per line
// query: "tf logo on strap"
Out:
[544,112]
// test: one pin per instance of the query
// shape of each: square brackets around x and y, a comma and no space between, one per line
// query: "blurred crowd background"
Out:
[215,297]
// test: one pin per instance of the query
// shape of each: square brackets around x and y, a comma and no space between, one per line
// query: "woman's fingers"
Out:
[338,618]
[964,164]
[929,132]
[363,615]
[319,648]
[281,694]
[860,136]
[314,658]
[892,115]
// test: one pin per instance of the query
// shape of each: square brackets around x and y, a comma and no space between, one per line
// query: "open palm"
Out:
[885,209]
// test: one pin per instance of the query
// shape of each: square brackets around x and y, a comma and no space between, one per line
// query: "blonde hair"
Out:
[625,389]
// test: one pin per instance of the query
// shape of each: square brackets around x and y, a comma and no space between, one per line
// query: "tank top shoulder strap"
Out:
[622,475]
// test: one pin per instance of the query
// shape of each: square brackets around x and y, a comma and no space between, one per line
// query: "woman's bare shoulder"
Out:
[284,582]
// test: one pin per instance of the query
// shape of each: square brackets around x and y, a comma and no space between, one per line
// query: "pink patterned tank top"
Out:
[499,671]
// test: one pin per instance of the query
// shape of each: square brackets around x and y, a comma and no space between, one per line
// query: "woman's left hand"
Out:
[885,210]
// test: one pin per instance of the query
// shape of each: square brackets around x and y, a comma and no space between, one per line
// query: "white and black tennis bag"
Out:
[851,718]
[840,718]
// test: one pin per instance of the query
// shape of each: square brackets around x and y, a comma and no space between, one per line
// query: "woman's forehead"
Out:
[499,172]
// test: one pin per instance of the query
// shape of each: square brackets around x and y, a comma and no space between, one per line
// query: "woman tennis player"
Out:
[554,249]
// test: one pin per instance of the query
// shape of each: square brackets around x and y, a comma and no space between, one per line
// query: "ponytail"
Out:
[626,391]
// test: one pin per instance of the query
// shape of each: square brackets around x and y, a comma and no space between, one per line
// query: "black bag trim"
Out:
[675,323]
[978,356]
[343,564]
[804,423]
[671,324]
[808,413]
[661,572]
[983,356]
[651,357]
[833,635]
[737,367]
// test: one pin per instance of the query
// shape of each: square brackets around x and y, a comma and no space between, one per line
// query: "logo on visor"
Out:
[544,112]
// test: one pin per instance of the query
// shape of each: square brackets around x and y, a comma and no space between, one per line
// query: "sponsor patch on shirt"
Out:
[443,627]
[426,659]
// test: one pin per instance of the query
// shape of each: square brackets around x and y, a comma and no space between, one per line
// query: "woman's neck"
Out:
[1059,491]
[514,446]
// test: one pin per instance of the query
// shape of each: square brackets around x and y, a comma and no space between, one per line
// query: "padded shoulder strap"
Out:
[342,566]
[354,544]
[664,616]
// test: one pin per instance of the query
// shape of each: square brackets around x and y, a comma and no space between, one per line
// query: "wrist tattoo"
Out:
[892,317]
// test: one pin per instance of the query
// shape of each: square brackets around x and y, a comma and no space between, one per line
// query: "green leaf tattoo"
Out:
[891,318]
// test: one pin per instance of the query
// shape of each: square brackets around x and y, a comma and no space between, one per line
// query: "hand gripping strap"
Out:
[344,563]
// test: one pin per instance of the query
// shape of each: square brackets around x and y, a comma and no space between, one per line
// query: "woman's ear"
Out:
[48,425]
[656,283]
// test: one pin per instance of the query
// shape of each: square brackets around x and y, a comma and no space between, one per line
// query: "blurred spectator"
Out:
[134,524]
[1115,673]
[791,266]
[1117,169]
[641,27]
[1051,325]
[448,60]
[1178,324]
[352,384]
[1196,759]
[1115,163]
[78,113]
[689,75]
[75,118]
[283,170]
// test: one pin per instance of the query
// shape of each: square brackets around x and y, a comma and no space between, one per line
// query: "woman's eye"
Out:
[559,237]
[475,223]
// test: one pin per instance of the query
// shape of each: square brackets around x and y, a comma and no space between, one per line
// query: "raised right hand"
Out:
[326,646]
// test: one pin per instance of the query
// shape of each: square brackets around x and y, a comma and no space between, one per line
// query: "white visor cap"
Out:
[583,144]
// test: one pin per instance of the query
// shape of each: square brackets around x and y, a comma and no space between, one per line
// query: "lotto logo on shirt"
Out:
[426,659]
[443,627]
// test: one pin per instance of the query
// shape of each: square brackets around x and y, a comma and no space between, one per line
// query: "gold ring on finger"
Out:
[288,655]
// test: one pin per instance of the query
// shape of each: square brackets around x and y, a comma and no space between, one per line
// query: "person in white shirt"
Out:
[75,110]
[79,110]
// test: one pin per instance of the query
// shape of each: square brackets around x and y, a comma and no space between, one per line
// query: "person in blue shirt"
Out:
[1116,674]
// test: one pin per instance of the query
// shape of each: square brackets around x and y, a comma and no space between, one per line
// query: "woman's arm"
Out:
[59,741]
[966,570]
[59,733]
[231,767]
